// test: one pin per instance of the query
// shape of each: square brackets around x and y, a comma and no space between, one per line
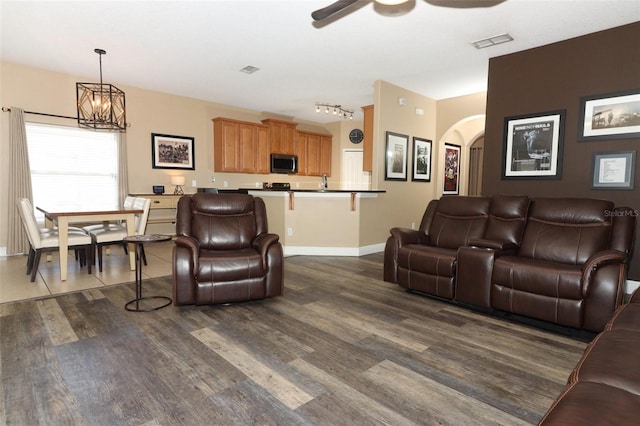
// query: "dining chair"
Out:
[114,235]
[47,240]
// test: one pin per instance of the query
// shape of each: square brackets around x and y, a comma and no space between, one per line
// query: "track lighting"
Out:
[337,110]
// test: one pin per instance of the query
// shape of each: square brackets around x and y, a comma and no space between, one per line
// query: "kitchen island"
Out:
[321,221]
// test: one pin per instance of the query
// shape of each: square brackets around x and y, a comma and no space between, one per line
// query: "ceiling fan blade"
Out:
[335,7]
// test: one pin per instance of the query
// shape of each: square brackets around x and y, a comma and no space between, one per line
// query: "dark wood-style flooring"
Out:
[342,347]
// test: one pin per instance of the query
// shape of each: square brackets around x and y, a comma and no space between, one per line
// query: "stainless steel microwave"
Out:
[284,163]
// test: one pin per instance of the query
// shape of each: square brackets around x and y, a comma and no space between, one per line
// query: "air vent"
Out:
[249,69]
[492,41]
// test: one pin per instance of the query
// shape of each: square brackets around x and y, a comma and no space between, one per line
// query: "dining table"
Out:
[62,219]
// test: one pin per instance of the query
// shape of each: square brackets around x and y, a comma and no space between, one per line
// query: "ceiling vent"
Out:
[249,69]
[492,41]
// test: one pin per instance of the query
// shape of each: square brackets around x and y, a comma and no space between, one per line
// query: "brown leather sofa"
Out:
[604,387]
[557,260]
[223,251]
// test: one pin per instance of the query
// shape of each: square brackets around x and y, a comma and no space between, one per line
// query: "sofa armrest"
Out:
[405,236]
[499,246]
[596,261]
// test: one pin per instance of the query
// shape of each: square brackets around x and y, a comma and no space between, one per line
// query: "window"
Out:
[72,169]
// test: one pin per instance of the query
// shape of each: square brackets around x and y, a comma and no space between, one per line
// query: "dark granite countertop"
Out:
[319,191]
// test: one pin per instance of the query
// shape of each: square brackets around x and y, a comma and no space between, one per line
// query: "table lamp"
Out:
[178,181]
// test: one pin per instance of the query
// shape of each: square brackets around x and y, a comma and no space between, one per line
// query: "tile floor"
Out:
[15,284]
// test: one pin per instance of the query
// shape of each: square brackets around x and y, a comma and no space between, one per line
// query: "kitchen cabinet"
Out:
[240,146]
[282,136]
[367,141]
[314,152]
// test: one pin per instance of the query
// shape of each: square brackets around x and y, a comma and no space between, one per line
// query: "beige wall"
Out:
[404,202]
[153,112]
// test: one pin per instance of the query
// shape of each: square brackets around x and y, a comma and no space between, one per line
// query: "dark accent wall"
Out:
[555,77]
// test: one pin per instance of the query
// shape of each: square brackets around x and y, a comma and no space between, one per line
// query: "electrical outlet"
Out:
[225,183]
[413,225]
[194,183]
[213,178]
[289,231]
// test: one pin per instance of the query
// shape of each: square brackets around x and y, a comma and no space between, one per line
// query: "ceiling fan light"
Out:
[391,2]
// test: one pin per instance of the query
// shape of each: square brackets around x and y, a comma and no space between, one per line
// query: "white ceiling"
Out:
[197,48]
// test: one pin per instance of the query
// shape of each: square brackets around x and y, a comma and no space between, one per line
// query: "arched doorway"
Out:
[476,156]
[465,133]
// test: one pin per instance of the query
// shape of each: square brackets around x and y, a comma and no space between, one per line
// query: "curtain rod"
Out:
[5,109]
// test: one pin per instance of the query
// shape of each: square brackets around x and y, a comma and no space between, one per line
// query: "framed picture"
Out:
[533,146]
[172,152]
[421,160]
[451,169]
[610,116]
[613,170]
[396,156]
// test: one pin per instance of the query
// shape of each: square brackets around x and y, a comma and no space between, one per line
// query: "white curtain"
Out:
[123,171]
[19,182]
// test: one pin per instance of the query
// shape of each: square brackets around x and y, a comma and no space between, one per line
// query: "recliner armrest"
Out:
[501,246]
[262,243]
[598,260]
[192,245]
[405,236]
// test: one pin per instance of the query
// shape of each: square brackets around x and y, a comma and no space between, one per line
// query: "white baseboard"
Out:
[332,251]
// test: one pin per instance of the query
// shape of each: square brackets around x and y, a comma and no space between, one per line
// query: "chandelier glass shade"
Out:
[100,106]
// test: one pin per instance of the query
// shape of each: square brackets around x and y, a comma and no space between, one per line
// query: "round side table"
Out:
[138,241]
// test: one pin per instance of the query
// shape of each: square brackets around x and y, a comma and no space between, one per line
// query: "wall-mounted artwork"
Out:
[451,169]
[613,170]
[396,156]
[172,152]
[533,146]
[421,171]
[610,116]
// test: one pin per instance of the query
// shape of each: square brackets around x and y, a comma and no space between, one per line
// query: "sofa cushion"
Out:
[538,289]
[612,359]
[566,230]
[537,276]
[507,218]
[229,265]
[427,259]
[585,403]
[626,317]
[224,226]
[457,220]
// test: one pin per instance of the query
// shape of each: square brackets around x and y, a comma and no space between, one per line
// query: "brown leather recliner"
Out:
[223,252]
[571,265]
[424,260]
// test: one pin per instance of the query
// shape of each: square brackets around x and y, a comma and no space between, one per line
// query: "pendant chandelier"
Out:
[100,106]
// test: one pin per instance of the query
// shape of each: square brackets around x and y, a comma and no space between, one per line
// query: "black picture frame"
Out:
[609,116]
[451,182]
[172,152]
[396,156]
[613,170]
[533,146]
[421,170]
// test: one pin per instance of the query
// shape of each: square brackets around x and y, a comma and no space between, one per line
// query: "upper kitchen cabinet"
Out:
[367,142]
[314,153]
[240,147]
[282,135]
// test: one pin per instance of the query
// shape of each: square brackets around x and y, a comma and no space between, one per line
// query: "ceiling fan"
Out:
[341,5]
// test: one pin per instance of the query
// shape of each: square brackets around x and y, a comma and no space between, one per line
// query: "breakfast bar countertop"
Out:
[318,190]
